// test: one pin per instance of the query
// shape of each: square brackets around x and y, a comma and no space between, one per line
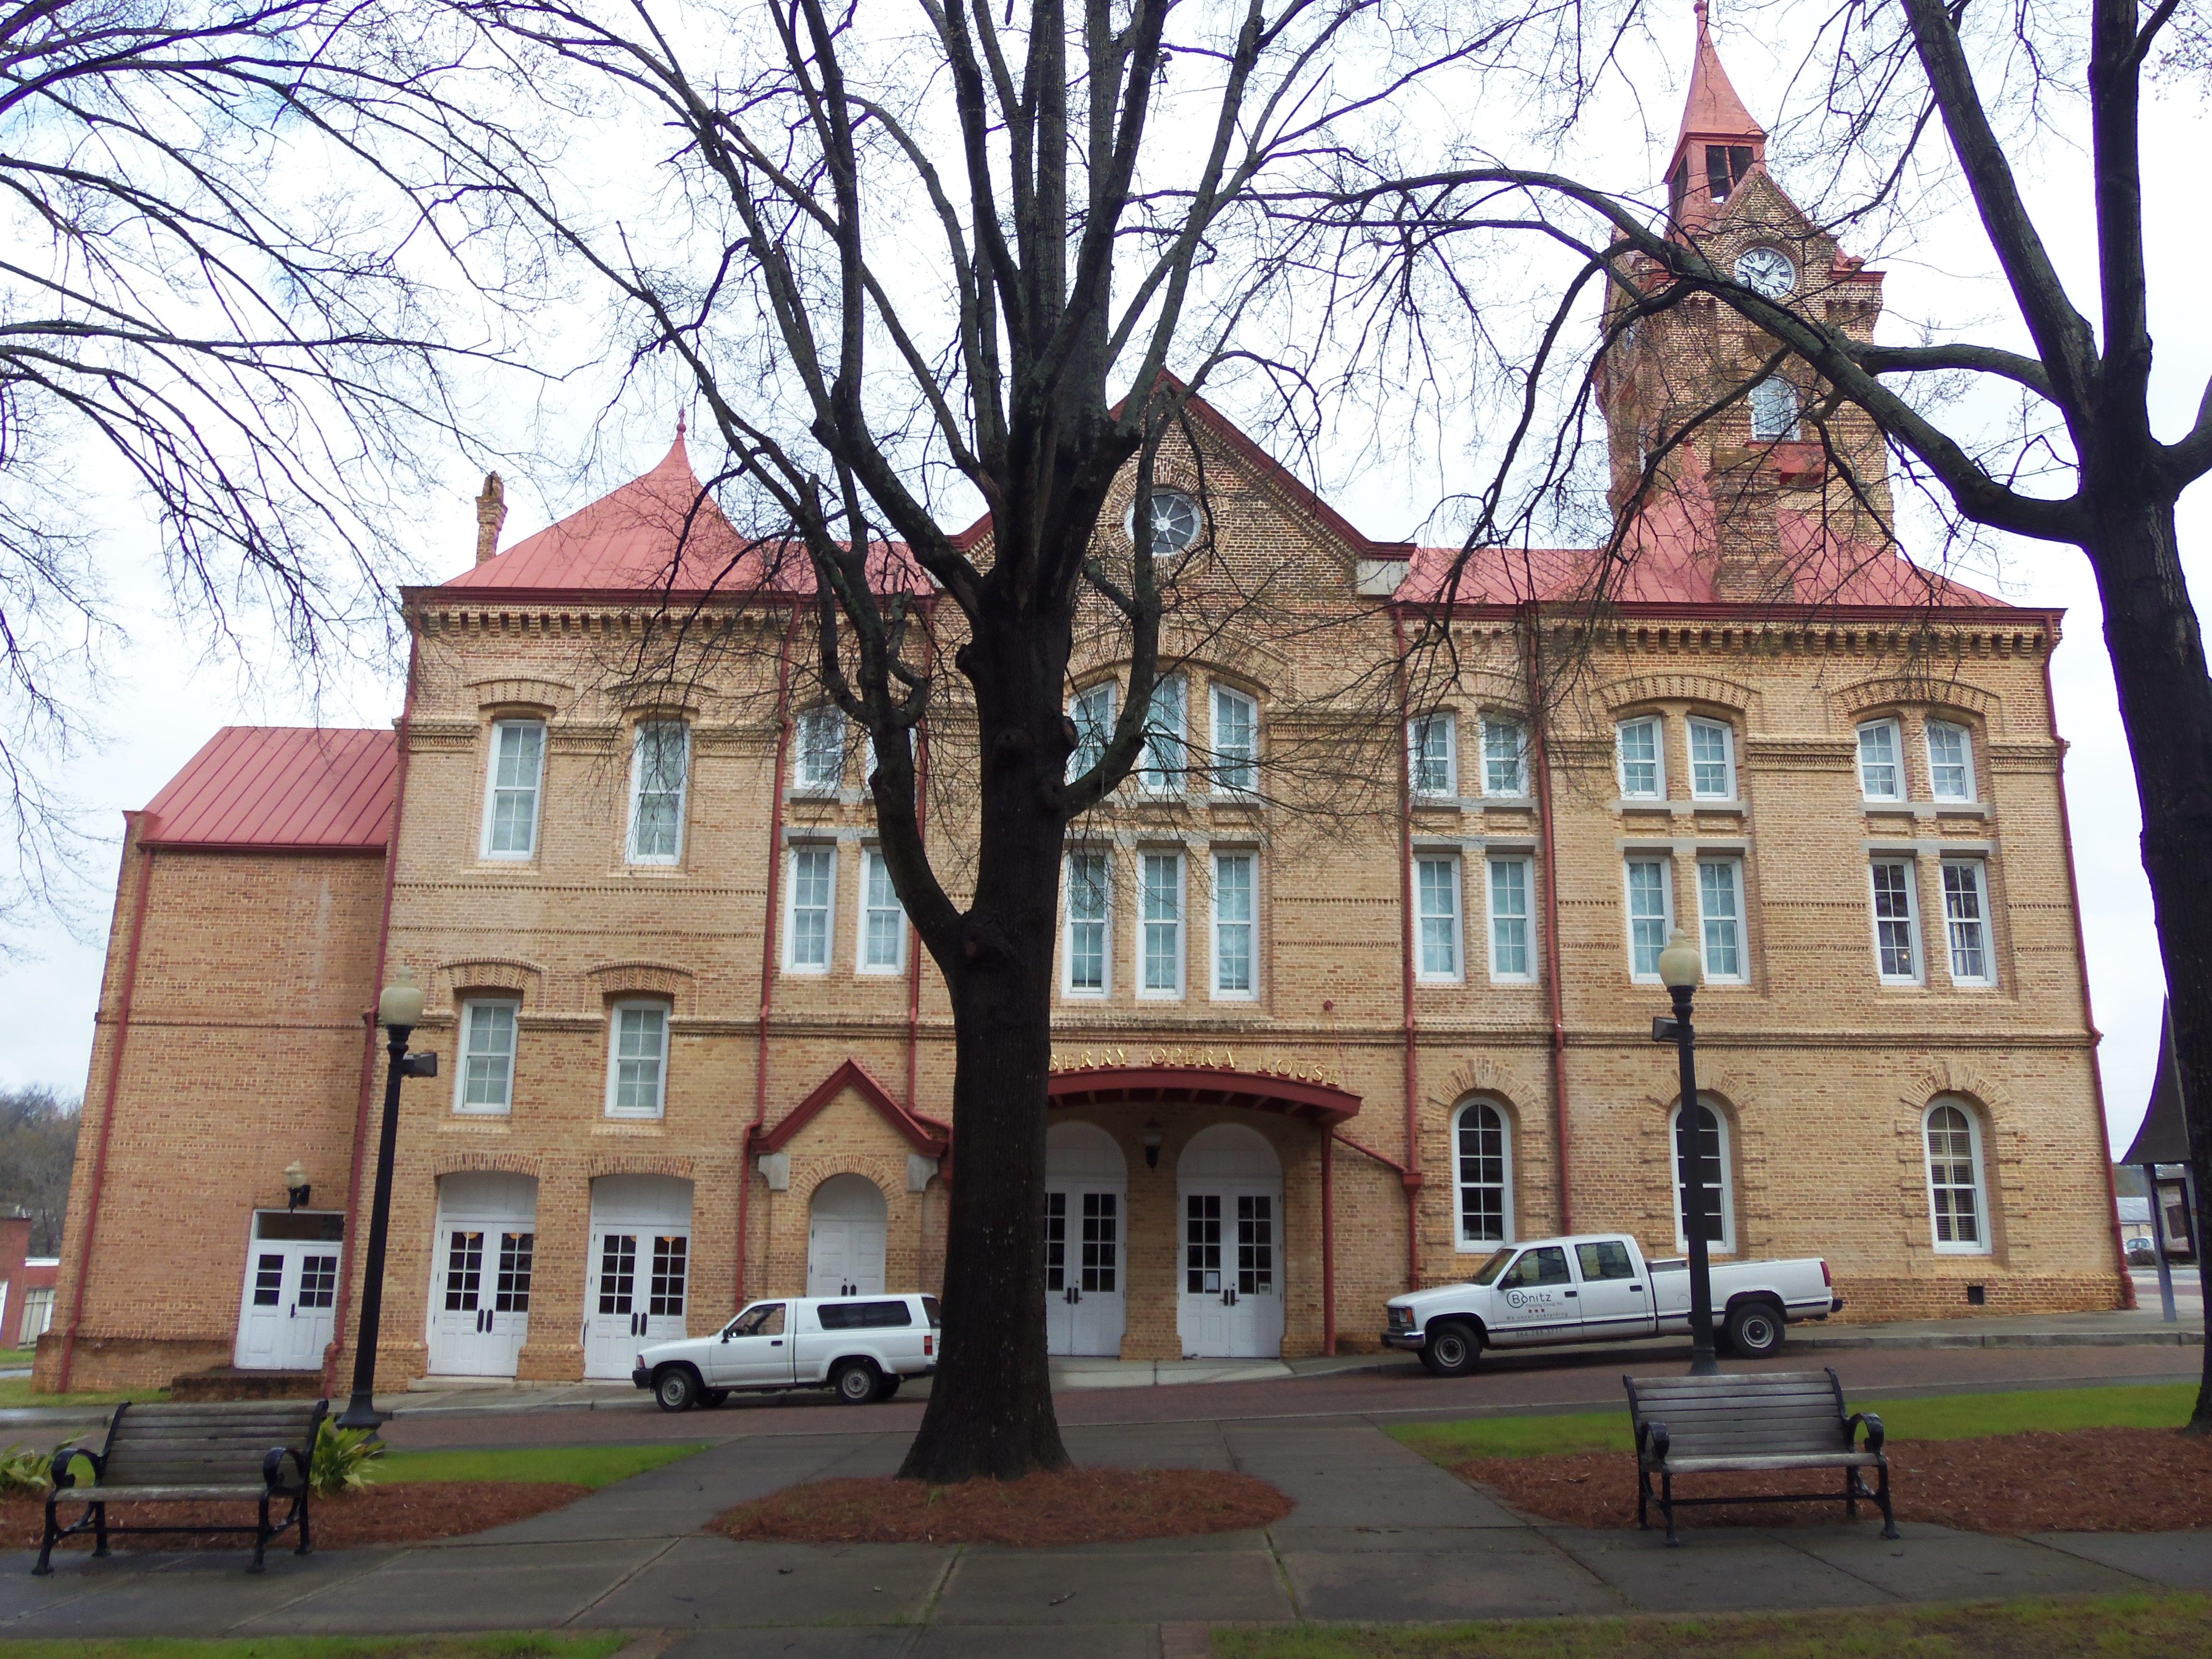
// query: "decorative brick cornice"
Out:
[491,974]
[1931,690]
[1679,687]
[612,1162]
[456,1162]
[523,691]
[655,979]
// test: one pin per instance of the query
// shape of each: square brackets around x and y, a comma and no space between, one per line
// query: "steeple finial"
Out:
[681,418]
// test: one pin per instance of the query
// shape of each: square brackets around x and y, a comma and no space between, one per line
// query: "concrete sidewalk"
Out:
[1378,1533]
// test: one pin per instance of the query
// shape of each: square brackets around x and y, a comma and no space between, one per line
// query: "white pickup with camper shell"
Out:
[1598,1287]
[860,1347]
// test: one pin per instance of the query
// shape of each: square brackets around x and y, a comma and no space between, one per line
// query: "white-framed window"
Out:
[1164,759]
[1712,1155]
[1720,916]
[1092,711]
[486,1080]
[1896,921]
[1436,908]
[818,767]
[1089,948]
[1643,768]
[1774,409]
[1950,762]
[1509,955]
[1958,1216]
[1482,1170]
[1432,752]
[811,907]
[660,771]
[1236,741]
[1505,757]
[1967,921]
[1159,931]
[512,790]
[882,918]
[1235,933]
[637,1059]
[1650,914]
[1712,760]
[1882,771]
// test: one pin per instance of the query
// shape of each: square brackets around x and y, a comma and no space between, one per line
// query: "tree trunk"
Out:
[2157,652]
[990,1408]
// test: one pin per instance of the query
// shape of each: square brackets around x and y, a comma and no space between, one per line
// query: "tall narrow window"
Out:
[1482,1150]
[1642,775]
[1165,757]
[637,1068]
[1509,919]
[1092,711]
[1234,881]
[517,767]
[1881,777]
[1431,749]
[1161,944]
[883,919]
[1712,760]
[1896,922]
[1950,762]
[1504,759]
[1955,1209]
[659,765]
[487,1079]
[818,768]
[1966,921]
[1437,898]
[1774,405]
[1088,924]
[1720,910]
[813,889]
[1650,914]
[1710,1161]
[1236,741]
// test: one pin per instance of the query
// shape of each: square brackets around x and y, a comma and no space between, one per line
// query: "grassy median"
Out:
[510,1645]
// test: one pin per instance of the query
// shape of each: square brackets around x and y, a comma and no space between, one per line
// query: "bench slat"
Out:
[1769,1460]
[162,1494]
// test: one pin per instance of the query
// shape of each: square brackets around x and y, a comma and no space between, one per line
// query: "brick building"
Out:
[691,1055]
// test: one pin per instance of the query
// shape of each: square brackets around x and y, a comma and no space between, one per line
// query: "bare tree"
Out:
[215,294]
[1906,85]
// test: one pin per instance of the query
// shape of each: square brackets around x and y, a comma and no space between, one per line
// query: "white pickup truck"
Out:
[1598,1287]
[861,1347]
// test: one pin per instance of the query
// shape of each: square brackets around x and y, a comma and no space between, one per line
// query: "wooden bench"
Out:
[249,1452]
[1751,1421]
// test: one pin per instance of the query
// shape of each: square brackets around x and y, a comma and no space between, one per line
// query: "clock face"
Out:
[1766,270]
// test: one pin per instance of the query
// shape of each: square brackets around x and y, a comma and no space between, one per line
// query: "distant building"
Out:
[27,1284]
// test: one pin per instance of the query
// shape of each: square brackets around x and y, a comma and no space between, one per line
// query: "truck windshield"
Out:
[1487,1273]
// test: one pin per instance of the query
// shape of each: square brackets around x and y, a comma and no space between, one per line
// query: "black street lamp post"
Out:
[397,1009]
[1679,970]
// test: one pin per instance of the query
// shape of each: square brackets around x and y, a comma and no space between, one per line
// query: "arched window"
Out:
[1711,1161]
[1482,1167]
[1958,1211]
[1773,409]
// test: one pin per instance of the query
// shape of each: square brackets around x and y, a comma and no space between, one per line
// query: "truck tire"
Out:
[713,1397]
[856,1381]
[889,1386]
[1754,1330]
[675,1387]
[1453,1347]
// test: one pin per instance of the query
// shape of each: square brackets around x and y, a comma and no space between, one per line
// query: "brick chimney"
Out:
[491,513]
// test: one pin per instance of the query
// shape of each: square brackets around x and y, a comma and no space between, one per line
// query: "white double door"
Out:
[847,1229]
[485,1248]
[1085,1280]
[1228,1195]
[639,1276]
[287,1310]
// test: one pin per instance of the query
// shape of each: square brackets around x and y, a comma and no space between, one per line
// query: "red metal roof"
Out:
[280,789]
[1713,110]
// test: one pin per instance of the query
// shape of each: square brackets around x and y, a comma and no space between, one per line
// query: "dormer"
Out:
[1718,145]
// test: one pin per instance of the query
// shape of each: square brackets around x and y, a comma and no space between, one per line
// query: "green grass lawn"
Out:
[579,1466]
[1949,1417]
[2110,1626]
[520,1644]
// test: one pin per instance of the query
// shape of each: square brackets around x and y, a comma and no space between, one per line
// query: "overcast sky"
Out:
[166,700]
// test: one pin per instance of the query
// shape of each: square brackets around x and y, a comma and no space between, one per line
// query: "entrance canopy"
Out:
[1321,1104]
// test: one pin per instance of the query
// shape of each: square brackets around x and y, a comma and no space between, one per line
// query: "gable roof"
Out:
[301,789]
[925,1134]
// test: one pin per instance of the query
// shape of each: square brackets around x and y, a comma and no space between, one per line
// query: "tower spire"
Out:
[1718,141]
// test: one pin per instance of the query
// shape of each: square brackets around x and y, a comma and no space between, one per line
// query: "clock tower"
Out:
[1754,470]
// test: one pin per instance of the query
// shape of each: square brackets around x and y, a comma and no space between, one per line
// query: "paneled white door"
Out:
[483,1253]
[639,1287]
[286,1311]
[848,1228]
[1229,1185]
[1086,1305]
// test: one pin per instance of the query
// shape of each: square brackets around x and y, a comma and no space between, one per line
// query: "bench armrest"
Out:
[1653,1440]
[1874,1430]
[68,1454]
[272,1467]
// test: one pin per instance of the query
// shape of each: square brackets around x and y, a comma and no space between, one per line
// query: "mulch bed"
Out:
[1071,1506]
[2082,1480]
[411,1512]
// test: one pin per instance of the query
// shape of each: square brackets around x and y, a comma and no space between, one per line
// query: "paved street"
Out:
[1378,1533]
